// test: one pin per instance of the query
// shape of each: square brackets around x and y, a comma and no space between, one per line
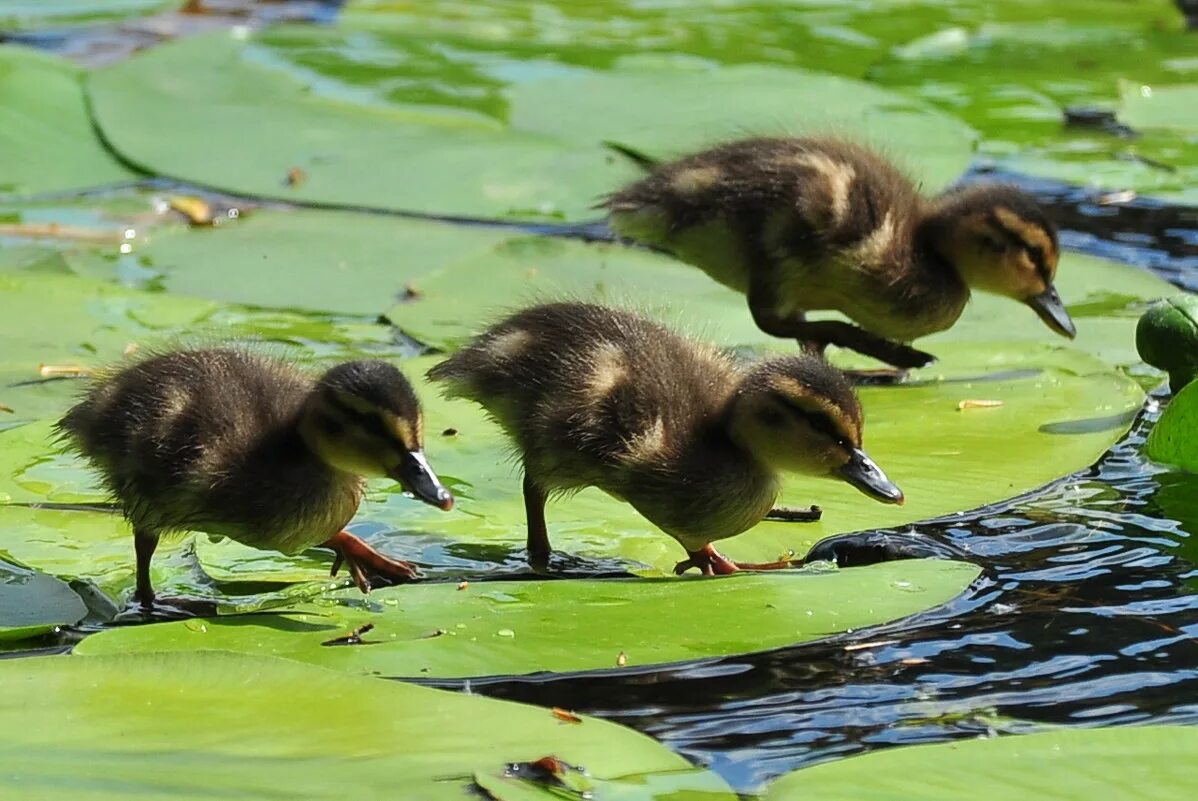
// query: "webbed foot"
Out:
[365,562]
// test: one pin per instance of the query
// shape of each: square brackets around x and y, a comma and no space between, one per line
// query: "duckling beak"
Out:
[864,474]
[1052,311]
[416,477]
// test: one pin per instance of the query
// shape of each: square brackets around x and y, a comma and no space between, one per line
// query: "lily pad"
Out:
[464,131]
[1013,78]
[1128,763]
[315,260]
[1060,410]
[1056,417]
[461,299]
[1174,438]
[516,627]
[1160,106]
[45,133]
[243,727]
[57,318]
[32,603]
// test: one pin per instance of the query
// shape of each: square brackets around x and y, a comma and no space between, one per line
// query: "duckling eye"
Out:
[992,245]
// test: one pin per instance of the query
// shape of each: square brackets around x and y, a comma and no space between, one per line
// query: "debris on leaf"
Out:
[463,585]
[410,293]
[550,772]
[449,432]
[621,659]
[4,408]
[130,349]
[432,634]
[197,210]
[565,715]
[52,230]
[354,637]
[295,177]
[62,370]
[978,404]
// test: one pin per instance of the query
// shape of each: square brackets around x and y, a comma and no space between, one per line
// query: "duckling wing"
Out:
[168,430]
[821,222]
[588,392]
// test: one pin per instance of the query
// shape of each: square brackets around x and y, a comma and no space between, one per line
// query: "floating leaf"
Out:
[208,725]
[1106,298]
[318,260]
[1160,106]
[45,134]
[1174,438]
[464,131]
[32,603]
[1127,763]
[517,627]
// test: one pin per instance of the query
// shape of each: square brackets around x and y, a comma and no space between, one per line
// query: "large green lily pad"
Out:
[208,725]
[461,299]
[1127,763]
[1064,412]
[32,603]
[315,260]
[57,318]
[464,131]
[516,627]
[45,134]
[1013,79]
[1060,411]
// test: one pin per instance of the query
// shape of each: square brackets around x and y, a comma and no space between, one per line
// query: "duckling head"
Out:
[1000,241]
[363,418]
[800,414]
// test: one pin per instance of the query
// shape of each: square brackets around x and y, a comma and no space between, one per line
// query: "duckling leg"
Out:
[364,561]
[538,535]
[821,333]
[709,561]
[713,563]
[144,543]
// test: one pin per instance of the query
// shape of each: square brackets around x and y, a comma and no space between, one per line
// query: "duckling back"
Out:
[206,440]
[812,223]
[594,396]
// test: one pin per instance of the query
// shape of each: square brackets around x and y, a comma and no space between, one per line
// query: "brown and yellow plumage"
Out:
[232,443]
[807,224]
[594,396]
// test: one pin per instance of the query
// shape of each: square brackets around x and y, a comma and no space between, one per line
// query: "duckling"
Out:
[240,445]
[806,224]
[594,396]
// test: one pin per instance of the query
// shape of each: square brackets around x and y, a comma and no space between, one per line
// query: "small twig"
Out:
[790,514]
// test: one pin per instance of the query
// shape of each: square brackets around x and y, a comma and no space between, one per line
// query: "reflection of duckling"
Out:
[600,397]
[235,444]
[818,224]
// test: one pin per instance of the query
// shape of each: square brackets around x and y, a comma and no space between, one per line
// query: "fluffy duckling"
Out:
[805,224]
[240,445]
[593,396]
